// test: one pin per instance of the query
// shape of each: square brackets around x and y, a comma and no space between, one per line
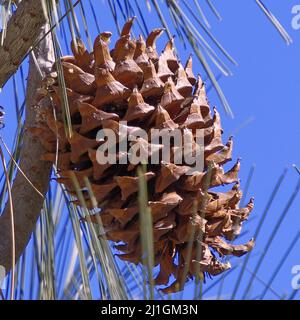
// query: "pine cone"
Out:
[133,82]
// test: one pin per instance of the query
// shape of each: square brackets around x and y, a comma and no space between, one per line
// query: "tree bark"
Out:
[26,201]
[22,31]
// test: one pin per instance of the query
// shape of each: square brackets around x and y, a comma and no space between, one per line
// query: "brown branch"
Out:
[27,202]
[22,31]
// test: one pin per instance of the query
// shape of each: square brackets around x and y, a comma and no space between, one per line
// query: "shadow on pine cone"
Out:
[133,82]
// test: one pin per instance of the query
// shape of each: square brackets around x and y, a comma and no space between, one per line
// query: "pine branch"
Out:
[22,31]
[27,202]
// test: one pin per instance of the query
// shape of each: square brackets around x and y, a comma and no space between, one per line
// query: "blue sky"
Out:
[264,94]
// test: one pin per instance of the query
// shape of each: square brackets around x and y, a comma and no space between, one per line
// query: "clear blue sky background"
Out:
[264,93]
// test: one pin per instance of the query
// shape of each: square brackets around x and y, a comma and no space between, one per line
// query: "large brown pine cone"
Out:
[133,82]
